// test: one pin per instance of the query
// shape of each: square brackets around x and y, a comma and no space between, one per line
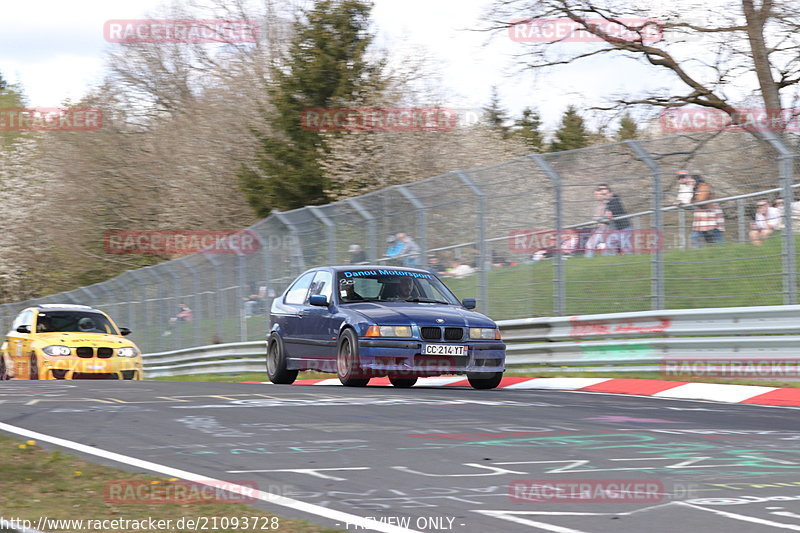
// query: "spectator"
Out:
[357,255]
[608,206]
[777,213]
[395,247]
[410,250]
[796,214]
[708,220]
[435,266]
[184,315]
[764,222]
[458,270]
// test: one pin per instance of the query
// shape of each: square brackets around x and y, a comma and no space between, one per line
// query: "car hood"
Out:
[82,339]
[401,313]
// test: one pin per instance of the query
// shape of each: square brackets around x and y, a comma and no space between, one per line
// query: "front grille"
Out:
[93,375]
[105,353]
[453,334]
[431,333]
[84,351]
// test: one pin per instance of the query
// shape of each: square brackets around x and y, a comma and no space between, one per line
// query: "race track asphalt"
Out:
[432,459]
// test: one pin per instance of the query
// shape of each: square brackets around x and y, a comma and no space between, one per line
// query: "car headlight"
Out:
[389,331]
[127,351]
[57,349]
[484,333]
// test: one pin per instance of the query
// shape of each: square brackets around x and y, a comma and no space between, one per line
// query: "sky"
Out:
[55,50]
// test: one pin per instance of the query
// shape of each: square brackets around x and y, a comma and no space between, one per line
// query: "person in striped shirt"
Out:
[708,220]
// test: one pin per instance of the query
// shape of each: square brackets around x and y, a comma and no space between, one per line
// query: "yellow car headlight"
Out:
[57,349]
[127,351]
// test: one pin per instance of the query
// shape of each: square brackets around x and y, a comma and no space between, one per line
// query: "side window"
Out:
[323,284]
[297,293]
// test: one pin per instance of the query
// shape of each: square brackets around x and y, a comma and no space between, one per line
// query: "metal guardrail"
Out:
[592,342]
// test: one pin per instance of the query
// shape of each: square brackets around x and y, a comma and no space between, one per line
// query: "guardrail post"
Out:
[330,229]
[559,293]
[483,260]
[422,223]
[657,262]
[786,166]
[372,234]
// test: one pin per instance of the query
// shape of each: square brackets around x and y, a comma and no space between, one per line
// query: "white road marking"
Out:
[358,521]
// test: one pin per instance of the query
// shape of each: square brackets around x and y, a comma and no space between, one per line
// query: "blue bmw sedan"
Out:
[372,321]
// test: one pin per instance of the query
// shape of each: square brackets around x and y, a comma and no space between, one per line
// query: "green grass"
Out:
[62,486]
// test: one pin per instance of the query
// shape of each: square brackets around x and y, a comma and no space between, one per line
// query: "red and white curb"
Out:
[681,390]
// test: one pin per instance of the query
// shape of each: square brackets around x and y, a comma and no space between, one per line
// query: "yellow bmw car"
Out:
[63,341]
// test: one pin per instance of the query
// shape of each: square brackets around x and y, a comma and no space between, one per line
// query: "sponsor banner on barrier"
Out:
[753,367]
[181,242]
[180,31]
[628,241]
[51,119]
[566,30]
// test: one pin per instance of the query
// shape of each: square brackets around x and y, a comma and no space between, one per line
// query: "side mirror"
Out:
[469,303]
[24,329]
[319,300]
[124,331]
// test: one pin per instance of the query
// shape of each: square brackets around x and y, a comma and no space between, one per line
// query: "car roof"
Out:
[65,307]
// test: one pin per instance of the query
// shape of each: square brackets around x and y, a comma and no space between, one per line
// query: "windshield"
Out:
[392,286]
[74,321]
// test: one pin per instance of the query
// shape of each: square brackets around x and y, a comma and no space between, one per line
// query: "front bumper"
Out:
[395,356]
[74,368]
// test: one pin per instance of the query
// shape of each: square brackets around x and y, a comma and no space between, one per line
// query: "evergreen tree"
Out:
[326,67]
[527,128]
[495,115]
[627,128]
[571,134]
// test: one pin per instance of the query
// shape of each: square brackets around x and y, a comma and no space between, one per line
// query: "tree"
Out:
[571,134]
[326,66]
[527,129]
[745,38]
[495,115]
[627,128]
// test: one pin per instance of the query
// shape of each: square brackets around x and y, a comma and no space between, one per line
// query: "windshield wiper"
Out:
[428,301]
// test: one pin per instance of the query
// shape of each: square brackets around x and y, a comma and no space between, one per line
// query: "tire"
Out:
[484,380]
[347,361]
[34,367]
[3,370]
[402,383]
[276,363]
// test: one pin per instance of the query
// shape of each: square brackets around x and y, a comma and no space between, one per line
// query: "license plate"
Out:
[444,349]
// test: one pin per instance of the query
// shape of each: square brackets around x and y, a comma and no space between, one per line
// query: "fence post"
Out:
[483,260]
[786,167]
[297,260]
[740,214]
[559,294]
[372,235]
[657,262]
[682,228]
[422,222]
[217,296]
